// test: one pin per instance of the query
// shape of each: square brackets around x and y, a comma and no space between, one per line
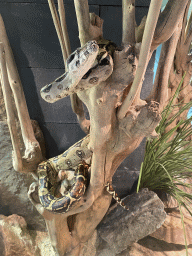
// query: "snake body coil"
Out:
[64,203]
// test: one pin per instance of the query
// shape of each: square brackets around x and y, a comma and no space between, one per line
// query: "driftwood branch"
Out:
[83,20]
[185,21]
[188,34]
[160,89]
[33,155]
[90,25]
[61,10]
[128,22]
[151,21]
[10,111]
[168,21]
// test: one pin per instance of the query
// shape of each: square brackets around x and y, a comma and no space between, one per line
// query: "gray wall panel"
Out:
[95,2]
[59,137]
[33,80]
[112,16]
[32,34]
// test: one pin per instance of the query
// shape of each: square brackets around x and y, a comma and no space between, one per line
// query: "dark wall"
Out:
[38,57]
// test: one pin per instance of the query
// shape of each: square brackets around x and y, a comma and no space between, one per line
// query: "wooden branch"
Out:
[189,34]
[181,56]
[184,30]
[189,23]
[33,155]
[10,111]
[160,89]
[58,30]
[128,22]
[83,20]
[151,21]
[168,21]
[61,10]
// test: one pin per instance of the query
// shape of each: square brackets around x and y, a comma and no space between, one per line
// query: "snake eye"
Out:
[68,162]
[80,153]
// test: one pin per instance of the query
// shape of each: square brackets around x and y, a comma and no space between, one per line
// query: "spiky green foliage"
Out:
[168,162]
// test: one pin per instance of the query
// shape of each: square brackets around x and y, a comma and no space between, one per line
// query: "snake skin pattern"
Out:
[74,157]
[87,66]
[66,202]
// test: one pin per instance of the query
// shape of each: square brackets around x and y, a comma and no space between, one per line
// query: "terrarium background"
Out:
[39,60]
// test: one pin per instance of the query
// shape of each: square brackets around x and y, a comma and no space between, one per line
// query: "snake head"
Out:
[78,64]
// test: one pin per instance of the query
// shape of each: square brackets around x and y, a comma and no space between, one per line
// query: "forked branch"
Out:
[150,26]
[33,155]
[61,10]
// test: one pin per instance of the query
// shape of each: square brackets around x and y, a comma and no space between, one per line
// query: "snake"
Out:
[86,67]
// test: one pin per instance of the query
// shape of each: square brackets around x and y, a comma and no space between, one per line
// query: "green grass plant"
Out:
[167,162]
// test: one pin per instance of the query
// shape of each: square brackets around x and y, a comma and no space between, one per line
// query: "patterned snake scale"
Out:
[74,157]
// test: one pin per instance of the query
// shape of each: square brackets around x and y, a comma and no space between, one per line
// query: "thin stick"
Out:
[128,22]
[83,20]
[151,22]
[61,10]
[58,29]
[189,23]
[183,33]
[16,87]
[165,64]
[189,33]
[10,111]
